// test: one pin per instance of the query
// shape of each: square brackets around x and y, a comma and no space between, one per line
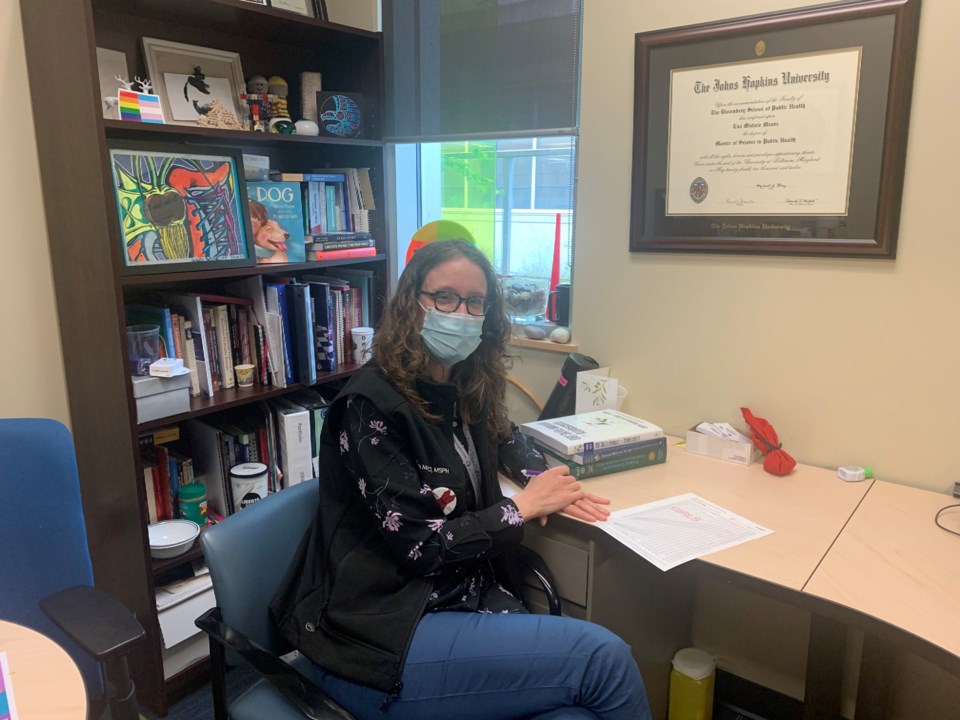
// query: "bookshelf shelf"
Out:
[91,291]
[140,131]
[275,269]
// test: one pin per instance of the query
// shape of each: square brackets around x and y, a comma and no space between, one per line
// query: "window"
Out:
[511,195]
[485,96]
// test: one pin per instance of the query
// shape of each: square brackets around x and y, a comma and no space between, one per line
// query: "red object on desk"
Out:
[776,460]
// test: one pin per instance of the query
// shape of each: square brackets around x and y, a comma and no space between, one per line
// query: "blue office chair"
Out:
[249,555]
[46,574]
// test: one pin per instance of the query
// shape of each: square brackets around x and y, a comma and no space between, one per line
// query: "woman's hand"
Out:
[549,492]
[589,508]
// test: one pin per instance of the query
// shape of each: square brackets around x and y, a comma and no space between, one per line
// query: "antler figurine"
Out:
[145,85]
[127,84]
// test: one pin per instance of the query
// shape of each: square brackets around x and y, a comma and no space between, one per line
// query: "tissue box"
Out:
[712,446]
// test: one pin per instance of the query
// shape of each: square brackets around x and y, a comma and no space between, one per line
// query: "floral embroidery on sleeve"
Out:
[511,516]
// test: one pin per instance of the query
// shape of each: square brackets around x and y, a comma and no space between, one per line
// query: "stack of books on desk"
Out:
[598,443]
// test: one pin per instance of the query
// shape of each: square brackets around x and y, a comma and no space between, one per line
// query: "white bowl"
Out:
[171,538]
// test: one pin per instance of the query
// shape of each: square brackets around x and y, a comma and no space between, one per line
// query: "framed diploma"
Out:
[782,134]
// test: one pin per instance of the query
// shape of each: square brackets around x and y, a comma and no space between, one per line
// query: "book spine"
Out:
[223,346]
[320,255]
[322,244]
[645,458]
[613,451]
[214,359]
[233,321]
[243,327]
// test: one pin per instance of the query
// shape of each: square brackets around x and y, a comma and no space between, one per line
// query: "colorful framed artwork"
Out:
[340,114]
[777,134]
[179,207]
[196,85]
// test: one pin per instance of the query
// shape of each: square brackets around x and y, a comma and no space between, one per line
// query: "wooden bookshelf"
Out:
[61,37]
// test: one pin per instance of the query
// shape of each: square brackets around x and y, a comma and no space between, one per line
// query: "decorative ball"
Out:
[307,127]
[257,85]
[560,335]
[276,85]
[283,126]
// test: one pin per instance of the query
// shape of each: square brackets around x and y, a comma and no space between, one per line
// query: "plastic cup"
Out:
[244,374]
[143,347]
[362,343]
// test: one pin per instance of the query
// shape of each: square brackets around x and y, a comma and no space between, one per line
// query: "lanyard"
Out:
[468,455]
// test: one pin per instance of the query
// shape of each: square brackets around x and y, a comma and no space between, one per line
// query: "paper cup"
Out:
[362,342]
[244,375]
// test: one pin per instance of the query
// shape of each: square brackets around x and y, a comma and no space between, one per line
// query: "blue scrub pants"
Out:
[479,666]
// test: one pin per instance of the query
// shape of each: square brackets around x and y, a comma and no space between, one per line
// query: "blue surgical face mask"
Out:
[451,337]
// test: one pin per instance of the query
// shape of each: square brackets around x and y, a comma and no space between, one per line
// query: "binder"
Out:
[303,334]
[207,445]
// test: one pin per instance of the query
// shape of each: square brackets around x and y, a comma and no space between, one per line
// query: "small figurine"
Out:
[127,84]
[145,85]
[258,99]
[277,86]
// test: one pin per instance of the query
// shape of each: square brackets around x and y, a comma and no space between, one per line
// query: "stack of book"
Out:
[599,442]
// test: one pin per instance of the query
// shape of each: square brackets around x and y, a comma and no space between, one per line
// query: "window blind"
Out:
[477,68]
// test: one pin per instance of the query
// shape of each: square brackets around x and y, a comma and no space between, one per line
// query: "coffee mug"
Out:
[362,340]
[558,305]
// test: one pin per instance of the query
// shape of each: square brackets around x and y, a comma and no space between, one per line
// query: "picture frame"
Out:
[179,207]
[311,8]
[777,134]
[341,114]
[189,78]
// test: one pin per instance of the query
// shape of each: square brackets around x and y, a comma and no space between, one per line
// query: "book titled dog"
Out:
[276,219]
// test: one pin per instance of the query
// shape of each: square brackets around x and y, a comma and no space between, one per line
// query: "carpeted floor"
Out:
[199,704]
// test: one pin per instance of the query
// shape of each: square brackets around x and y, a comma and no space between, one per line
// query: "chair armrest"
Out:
[310,699]
[536,565]
[103,627]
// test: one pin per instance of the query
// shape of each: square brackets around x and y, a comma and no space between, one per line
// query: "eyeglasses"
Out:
[449,302]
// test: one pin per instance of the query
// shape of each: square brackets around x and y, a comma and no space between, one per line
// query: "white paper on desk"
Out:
[671,531]
[596,390]
[8,708]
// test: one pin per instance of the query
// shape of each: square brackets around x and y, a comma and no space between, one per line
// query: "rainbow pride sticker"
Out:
[139,107]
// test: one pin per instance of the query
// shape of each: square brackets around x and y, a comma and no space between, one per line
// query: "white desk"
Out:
[866,554]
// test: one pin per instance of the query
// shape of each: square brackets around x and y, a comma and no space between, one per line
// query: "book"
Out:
[364,281]
[591,456]
[589,431]
[653,452]
[301,308]
[191,308]
[276,301]
[293,434]
[320,255]
[276,220]
[314,402]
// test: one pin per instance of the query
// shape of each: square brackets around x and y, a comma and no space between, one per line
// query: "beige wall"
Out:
[32,382]
[854,361]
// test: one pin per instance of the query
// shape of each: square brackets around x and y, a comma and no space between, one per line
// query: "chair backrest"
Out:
[251,553]
[42,533]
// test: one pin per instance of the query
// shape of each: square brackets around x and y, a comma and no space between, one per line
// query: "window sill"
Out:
[547,345]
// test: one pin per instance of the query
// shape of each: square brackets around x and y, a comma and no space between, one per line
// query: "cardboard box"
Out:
[716,447]
[159,397]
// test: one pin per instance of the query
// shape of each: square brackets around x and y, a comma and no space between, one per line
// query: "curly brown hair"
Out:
[401,355]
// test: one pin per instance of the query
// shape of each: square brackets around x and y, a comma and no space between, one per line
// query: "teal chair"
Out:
[46,575]
[249,556]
